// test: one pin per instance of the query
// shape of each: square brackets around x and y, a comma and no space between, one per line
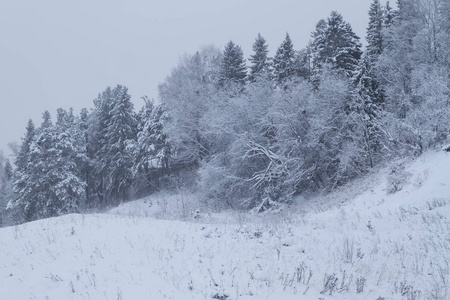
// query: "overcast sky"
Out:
[56,53]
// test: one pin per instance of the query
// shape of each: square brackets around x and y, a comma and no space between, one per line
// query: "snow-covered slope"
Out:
[360,242]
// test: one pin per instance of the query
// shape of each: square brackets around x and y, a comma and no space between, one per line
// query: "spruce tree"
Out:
[233,68]
[97,144]
[388,15]
[259,60]
[303,63]
[374,31]
[6,191]
[152,151]
[22,173]
[48,182]
[23,156]
[369,103]
[334,43]
[120,130]
[284,61]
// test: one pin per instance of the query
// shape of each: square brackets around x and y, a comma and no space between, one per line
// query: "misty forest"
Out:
[316,172]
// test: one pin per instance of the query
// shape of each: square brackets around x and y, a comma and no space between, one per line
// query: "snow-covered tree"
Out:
[151,151]
[374,36]
[259,60]
[388,15]
[335,43]
[6,191]
[303,63]
[24,152]
[117,160]
[50,185]
[233,69]
[284,61]
[187,95]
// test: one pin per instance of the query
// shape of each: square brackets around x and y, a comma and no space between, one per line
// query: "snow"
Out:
[160,248]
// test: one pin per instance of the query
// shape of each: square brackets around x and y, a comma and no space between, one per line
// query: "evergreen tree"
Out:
[6,191]
[97,144]
[22,172]
[388,15]
[368,106]
[51,185]
[303,63]
[120,130]
[85,160]
[374,31]
[335,43]
[24,152]
[152,151]
[259,60]
[47,120]
[233,68]
[284,61]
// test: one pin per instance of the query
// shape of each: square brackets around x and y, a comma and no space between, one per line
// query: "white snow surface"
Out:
[161,248]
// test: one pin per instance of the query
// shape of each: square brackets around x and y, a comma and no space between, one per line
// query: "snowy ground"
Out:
[357,243]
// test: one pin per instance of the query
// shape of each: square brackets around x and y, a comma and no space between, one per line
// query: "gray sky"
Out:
[56,53]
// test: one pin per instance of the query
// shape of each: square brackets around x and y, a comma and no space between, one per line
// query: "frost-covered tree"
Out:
[24,152]
[284,61]
[117,160]
[97,143]
[233,69]
[230,177]
[415,62]
[259,60]
[303,63]
[51,185]
[6,191]
[374,35]
[85,160]
[187,95]
[151,152]
[335,43]
[388,15]
[367,106]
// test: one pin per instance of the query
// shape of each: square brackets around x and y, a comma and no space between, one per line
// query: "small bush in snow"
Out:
[345,282]
[360,282]
[329,284]
[397,178]
[435,203]
[407,290]
[303,274]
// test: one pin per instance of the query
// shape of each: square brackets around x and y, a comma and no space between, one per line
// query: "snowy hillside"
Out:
[383,237]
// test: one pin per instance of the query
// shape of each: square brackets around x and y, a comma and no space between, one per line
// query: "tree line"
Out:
[251,136]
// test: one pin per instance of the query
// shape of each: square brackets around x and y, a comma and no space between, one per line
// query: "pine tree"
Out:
[24,152]
[335,43]
[47,120]
[259,60]
[97,144]
[85,161]
[22,172]
[388,15]
[6,191]
[284,61]
[120,130]
[152,151]
[303,63]
[374,31]
[51,185]
[368,106]
[233,68]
